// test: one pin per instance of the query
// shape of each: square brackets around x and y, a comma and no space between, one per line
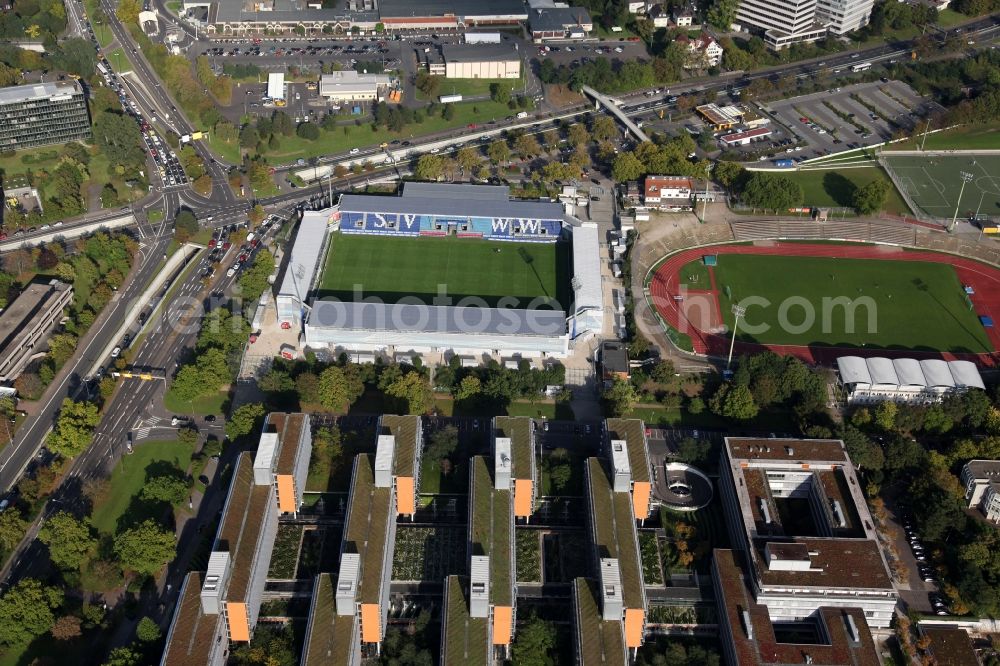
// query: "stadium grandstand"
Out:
[429,210]
[877,379]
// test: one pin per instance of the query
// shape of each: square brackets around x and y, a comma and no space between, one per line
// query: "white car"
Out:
[618,49]
[435,150]
[116,352]
[355,151]
[231,272]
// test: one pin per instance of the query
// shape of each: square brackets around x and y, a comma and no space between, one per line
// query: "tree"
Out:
[26,611]
[255,280]
[69,540]
[12,529]
[727,173]
[663,372]
[870,198]
[499,92]
[578,135]
[123,656]
[467,158]
[66,628]
[244,420]
[74,428]
[603,128]
[498,152]
[885,415]
[627,167]
[145,548]
[429,167]
[534,643]
[442,444]
[307,131]
[734,401]
[169,488]
[771,192]
[256,215]
[693,451]
[620,398]
[469,388]
[119,139]
[339,388]
[412,390]
[560,475]
[185,225]
[526,146]
[128,11]
[147,630]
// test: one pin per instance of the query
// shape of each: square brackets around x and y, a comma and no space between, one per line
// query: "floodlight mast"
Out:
[738,311]
[966,178]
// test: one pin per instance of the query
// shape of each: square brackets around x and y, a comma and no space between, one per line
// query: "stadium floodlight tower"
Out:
[738,311]
[966,178]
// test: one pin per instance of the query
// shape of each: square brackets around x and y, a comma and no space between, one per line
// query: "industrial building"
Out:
[27,322]
[981,479]
[351,86]
[553,23]
[829,556]
[40,114]
[430,209]
[222,606]
[876,379]
[481,61]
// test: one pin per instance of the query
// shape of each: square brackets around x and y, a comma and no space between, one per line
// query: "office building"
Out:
[782,23]
[841,16]
[628,456]
[27,322]
[40,114]
[347,619]
[351,86]
[876,379]
[221,607]
[797,516]
[404,437]
[981,479]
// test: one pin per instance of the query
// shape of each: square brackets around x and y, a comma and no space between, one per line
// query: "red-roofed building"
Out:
[668,192]
[743,138]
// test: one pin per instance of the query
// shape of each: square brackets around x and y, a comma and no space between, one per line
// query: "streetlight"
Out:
[966,177]
[738,311]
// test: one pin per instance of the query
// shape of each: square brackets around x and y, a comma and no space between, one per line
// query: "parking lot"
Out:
[839,119]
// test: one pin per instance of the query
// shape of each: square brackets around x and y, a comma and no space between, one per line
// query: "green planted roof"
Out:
[614,531]
[466,639]
[491,531]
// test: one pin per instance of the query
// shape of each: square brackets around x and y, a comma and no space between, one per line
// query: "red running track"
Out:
[706,339]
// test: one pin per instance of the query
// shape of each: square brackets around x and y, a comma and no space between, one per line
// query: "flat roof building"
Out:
[796,513]
[283,458]
[27,322]
[745,137]
[559,23]
[514,442]
[481,61]
[355,629]
[981,479]
[629,436]
[407,435]
[40,114]
[720,118]
[613,534]
[667,192]
[600,641]
[351,86]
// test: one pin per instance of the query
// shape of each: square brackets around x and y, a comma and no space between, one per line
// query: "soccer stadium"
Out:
[463,269]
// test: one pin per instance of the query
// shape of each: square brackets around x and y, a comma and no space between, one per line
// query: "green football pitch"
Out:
[391,267]
[933,182]
[897,304]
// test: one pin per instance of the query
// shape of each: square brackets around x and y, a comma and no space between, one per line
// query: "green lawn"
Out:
[102,31]
[44,158]
[473,87]
[392,267]
[949,17]
[899,304]
[831,188]
[130,474]
[968,137]
[337,141]
[934,182]
[206,404]
[695,275]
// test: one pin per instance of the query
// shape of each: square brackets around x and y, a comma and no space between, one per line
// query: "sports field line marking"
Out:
[937,185]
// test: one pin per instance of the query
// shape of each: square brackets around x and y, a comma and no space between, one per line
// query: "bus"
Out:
[861,67]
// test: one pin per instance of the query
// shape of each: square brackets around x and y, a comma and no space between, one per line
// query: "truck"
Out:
[785,163]
[448,99]
[102,68]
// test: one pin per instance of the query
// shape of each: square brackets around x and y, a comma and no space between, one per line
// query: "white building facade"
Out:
[876,379]
[842,16]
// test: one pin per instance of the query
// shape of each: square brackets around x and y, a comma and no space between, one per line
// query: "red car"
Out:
[226,245]
[211,243]
[472,125]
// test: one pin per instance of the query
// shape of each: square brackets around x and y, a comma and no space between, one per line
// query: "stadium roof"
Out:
[589,292]
[613,528]
[928,373]
[304,260]
[462,201]
[413,318]
[491,526]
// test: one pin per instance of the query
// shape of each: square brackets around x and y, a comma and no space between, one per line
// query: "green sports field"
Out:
[914,304]
[390,268]
[934,182]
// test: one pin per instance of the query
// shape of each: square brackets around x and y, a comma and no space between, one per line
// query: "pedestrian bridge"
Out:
[605,101]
